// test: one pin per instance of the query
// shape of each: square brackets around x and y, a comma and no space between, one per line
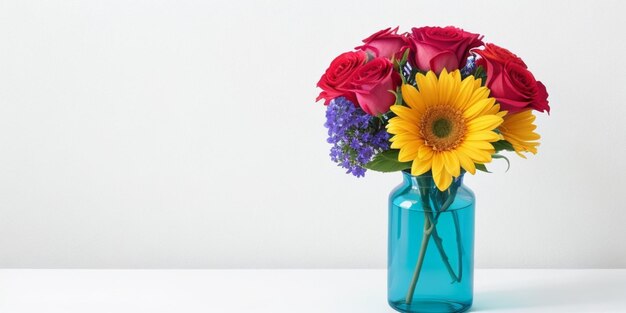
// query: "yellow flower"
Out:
[448,124]
[518,129]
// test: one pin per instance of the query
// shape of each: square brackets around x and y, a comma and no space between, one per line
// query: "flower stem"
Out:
[459,247]
[444,257]
[437,239]
[428,227]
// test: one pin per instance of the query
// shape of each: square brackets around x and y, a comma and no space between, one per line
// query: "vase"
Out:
[431,246]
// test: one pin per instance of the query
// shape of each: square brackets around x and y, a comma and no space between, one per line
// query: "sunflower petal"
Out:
[486,135]
[465,92]
[451,163]
[401,126]
[448,86]
[485,122]
[437,161]
[413,98]
[495,109]
[442,178]
[518,129]
[466,162]
[420,167]
[404,136]
[476,155]
[425,152]
[428,83]
[477,108]
[408,153]
[405,113]
[479,144]
[479,94]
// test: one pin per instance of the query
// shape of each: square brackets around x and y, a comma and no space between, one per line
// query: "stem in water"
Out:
[428,227]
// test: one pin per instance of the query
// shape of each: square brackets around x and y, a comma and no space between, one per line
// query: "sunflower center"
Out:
[443,127]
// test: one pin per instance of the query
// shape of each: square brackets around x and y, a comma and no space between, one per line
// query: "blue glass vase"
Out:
[431,246]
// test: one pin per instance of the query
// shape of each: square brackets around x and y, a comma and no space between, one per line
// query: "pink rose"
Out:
[385,43]
[372,82]
[436,48]
[335,81]
[510,82]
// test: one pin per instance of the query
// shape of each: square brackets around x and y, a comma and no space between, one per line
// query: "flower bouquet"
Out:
[433,104]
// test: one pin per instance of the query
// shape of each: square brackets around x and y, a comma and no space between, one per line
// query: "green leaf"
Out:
[405,57]
[499,156]
[402,77]
[377,123]
[387,161]
[502,145]
[481,167]
[399,65]
[480,73]
[398,94]
[396,64]
[386,117]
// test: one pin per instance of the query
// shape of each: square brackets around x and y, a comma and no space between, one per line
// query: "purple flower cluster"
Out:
[470,66]
[355,135]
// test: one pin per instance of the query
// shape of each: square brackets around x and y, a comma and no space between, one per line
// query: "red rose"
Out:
[385,43]
[499,54]
[371,84]
[511,83]
[334,82]
[436,48]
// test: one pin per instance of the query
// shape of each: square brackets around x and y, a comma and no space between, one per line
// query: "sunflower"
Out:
[448,125]
[518,129]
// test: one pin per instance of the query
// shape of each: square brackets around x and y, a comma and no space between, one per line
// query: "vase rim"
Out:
[428,174]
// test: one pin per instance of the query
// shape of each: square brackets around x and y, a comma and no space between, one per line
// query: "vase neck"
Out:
[425,181]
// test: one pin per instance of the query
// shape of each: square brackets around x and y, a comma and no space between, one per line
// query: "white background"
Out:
[185,134]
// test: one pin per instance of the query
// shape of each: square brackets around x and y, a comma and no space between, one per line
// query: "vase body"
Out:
[430,246]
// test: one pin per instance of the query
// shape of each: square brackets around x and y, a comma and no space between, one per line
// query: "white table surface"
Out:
[277,291]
